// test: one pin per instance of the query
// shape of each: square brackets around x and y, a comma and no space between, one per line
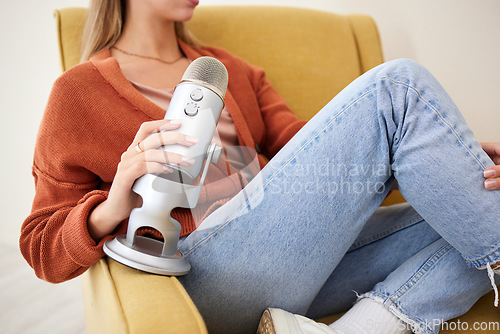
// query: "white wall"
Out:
[458,40]
[29,65]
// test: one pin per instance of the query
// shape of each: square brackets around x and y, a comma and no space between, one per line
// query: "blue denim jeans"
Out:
[307,234]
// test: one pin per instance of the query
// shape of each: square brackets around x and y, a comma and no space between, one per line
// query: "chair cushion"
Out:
[120,299]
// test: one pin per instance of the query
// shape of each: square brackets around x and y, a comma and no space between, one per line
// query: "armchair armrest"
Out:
[119,299]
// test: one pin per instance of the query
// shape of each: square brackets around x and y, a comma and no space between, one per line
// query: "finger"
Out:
[157,168]
[492,175]
[130,170]
[148,128]
[492,172]
[167,138]
[137,162]
[164,157]
[132,157]
[136,171]
[492,184]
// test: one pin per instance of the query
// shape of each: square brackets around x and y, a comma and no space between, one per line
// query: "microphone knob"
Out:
[196,95]
[191,109]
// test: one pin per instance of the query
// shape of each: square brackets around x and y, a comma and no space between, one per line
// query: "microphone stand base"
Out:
[145,255]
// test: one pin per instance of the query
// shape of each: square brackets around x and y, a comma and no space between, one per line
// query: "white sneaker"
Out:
[277,321]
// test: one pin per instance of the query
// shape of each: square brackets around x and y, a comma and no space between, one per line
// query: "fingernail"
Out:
[489,173]
[168,169]
[490,184]
[193,140]
[175,121]
[188,160]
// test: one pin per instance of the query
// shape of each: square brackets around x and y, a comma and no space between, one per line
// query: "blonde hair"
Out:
[104,26]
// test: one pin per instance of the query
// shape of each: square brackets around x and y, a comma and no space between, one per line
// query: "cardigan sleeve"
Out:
[54,238]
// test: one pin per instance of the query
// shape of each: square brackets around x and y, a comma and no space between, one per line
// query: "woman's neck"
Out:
[149,53]
[149,37]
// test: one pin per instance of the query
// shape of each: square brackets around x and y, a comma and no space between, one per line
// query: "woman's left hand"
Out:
[492,174]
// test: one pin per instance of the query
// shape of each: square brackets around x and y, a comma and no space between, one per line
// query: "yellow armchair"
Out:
[309,56]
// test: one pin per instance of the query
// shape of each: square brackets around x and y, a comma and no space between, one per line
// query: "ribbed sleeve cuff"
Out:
[75,235]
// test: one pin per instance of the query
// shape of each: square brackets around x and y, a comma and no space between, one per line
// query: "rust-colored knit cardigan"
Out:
[92,116]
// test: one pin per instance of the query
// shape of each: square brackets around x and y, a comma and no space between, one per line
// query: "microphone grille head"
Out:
[208,71]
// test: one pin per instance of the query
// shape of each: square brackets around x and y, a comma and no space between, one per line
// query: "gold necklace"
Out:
[148,57]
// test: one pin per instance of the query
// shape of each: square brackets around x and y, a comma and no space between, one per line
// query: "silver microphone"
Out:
[198,101]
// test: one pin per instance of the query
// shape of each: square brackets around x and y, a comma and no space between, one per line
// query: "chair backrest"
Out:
[308,55]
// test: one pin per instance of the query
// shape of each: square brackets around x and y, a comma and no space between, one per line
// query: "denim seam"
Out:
[250,198]
[383,234]
[481,262]
[416,91]
[414,280]
[422,271]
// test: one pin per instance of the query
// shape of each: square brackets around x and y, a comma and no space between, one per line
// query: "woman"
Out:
[271,245]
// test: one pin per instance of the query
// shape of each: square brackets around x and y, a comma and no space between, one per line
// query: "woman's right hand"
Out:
[143,156]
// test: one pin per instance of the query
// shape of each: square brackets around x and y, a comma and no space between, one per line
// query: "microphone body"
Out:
[199,109]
